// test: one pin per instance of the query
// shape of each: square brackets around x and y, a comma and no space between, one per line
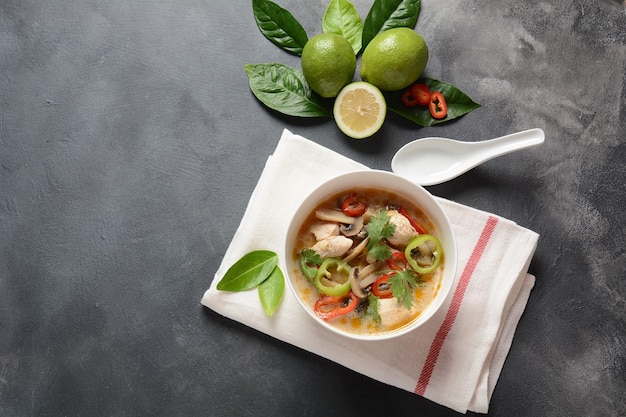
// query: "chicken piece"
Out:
[333,246]
[404,231]
[392,314]
[322,230]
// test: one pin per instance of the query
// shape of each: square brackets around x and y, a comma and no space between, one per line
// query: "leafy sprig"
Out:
[285,90]
[379,228]
[402,284]
[372,308]
[309,261]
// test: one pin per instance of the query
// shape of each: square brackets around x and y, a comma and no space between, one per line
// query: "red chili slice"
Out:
[421,94]
[408,99]
[381,287]
[329,307]
[419,229]
[397,262]
[351,206]
[437,105]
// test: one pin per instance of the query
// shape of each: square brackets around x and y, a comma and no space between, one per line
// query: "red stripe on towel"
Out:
[455,305]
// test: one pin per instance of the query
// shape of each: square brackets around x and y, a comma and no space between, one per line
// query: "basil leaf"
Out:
[271,291]
[284,89]
[388,14]
[341,18]
[458,103]
[249,271]
[279,26]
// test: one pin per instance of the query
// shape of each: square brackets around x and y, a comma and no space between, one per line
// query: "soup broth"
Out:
[369,261]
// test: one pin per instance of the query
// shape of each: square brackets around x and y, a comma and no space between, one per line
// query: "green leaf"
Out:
[309,261]
[279,26]
[372,308]
[271,291]
[285,90]
[249,271]
[401,285]
[341,18]
[458,103]
[388,14]
[380,252]
[379,228]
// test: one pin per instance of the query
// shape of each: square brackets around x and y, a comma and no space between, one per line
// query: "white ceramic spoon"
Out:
[431,161]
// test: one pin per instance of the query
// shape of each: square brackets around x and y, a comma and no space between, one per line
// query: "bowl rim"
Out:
[442,224]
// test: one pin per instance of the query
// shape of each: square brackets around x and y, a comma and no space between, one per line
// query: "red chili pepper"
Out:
[329,307]
[419,229]
[351,206]
[397,262]
[381,287]
[421,94]
[437,105]
[408,99]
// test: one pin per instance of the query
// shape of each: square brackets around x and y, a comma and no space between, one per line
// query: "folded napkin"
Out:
[454,359]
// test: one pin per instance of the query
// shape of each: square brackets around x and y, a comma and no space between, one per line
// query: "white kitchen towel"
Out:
[454,359]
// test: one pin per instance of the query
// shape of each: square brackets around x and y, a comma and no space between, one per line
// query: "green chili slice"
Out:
[423,253]
[329,268]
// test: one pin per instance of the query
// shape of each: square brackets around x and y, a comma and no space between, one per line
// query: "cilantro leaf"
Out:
[309,261]
[372,308]
[380,252]
[379,228]
[402,284]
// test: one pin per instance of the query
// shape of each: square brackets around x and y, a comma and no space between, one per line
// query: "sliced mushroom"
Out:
[368,280]
[355,284]
[357,250]
[334,216]
[352,229]
[368,274]
[371,211]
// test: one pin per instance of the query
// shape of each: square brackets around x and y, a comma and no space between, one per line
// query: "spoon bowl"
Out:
[431,161]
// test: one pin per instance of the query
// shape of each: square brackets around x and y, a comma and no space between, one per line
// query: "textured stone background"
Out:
[130,144]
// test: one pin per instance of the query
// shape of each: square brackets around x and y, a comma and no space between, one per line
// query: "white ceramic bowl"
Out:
[387,181]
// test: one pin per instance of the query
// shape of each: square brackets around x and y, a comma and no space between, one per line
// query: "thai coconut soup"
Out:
[369,261]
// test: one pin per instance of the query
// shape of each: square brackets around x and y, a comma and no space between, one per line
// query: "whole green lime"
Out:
[328,63]
[394,59]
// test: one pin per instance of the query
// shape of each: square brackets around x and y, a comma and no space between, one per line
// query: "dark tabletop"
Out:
[130,144]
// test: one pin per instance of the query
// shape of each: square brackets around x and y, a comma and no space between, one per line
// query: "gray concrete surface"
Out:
[130,144]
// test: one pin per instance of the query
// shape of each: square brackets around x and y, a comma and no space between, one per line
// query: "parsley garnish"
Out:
[372,308]
[402,284]
[309,261]
[379,228]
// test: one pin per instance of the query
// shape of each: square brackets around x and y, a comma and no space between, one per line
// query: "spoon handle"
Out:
[510,143]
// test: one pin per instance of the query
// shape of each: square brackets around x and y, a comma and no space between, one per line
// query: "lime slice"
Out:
[360,110]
